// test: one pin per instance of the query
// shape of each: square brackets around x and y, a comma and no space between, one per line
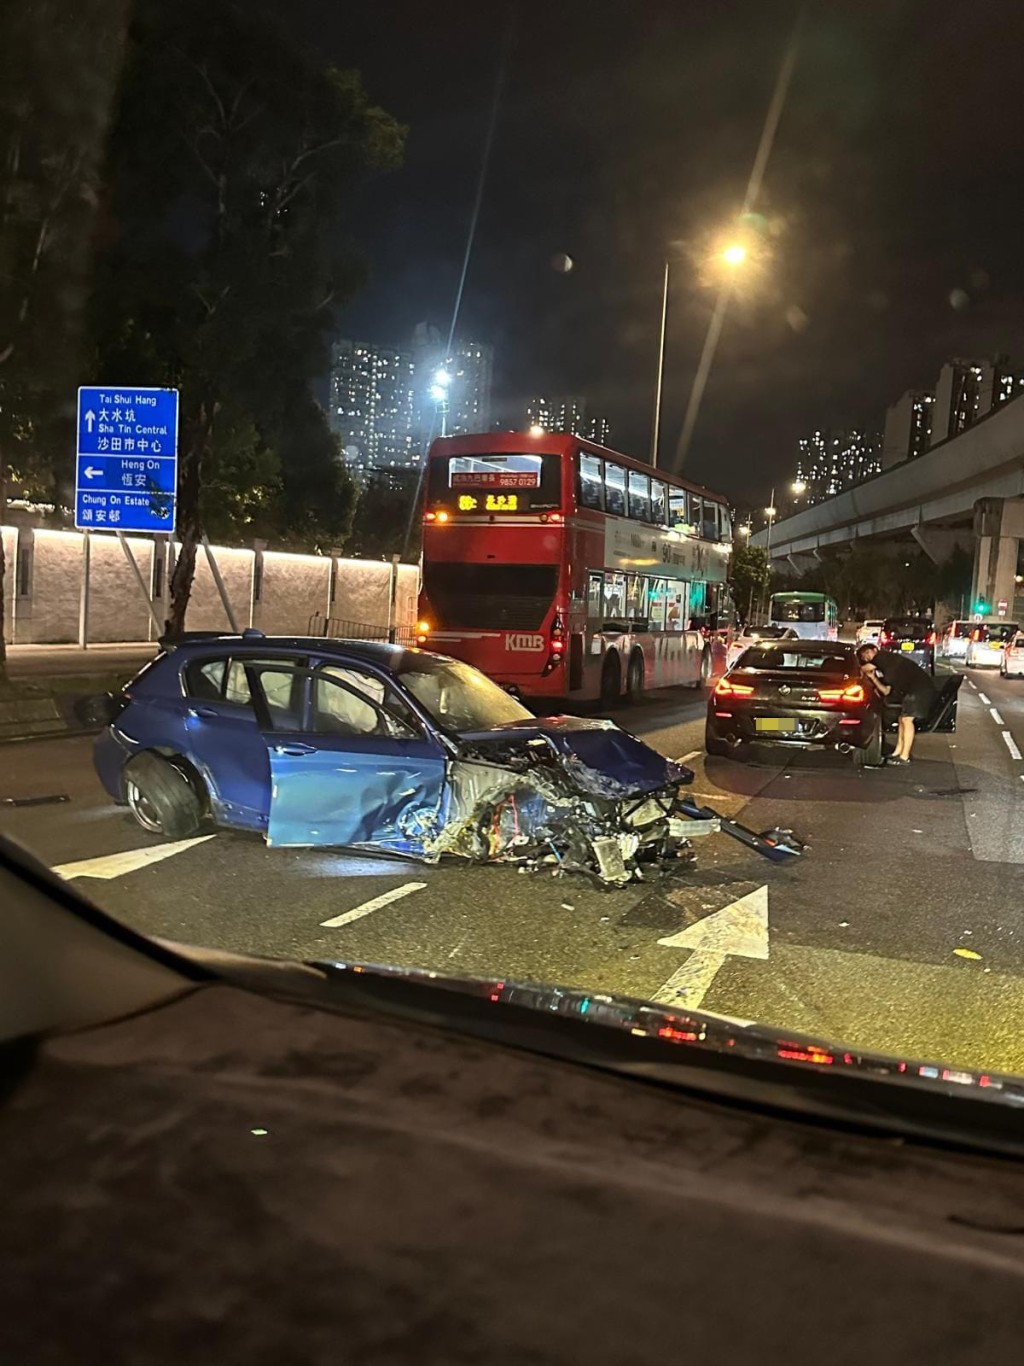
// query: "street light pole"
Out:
[656,422]
[769,512]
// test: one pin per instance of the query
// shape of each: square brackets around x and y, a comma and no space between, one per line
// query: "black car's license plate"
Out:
[775,723]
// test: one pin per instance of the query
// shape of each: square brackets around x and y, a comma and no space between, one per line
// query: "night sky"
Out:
[892,205]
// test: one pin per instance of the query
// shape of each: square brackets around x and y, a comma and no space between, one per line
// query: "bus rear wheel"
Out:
[611,680]
[635,678]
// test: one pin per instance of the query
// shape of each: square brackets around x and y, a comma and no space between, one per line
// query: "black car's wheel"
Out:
[161,797]
[611,680]
[871,755]
[714,745]
[635,677]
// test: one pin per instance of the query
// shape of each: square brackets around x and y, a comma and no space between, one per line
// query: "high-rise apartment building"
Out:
[465,373]
[386,403]
[831,461]
[908,427]
[371,406]
[567,413]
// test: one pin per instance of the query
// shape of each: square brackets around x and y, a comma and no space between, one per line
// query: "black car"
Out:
[808,694]
[913,636]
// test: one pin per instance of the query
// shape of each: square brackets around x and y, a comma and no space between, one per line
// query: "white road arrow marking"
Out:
[90,418]
[738,930]
[116,865]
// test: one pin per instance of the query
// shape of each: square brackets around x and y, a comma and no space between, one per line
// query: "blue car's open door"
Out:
[358,769]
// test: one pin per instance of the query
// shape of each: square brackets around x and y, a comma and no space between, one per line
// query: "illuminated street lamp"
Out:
[799,487]
[771,512]
[734,254]
[537,429]
[744,529]
[439,393]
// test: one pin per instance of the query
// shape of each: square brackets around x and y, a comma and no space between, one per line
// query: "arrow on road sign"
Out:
[739,930]
[90,419]
[91,472]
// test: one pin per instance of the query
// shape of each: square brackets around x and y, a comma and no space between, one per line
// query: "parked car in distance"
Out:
[985,647]
[752,635]
[867,632]
[1013,657]
[913,636]
[952,641]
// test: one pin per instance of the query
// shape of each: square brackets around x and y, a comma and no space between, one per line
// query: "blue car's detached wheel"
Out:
[161,798]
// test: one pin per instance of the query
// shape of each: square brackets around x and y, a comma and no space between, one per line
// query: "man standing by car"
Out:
[909,685]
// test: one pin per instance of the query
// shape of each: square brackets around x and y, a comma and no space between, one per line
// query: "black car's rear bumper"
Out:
[816,727]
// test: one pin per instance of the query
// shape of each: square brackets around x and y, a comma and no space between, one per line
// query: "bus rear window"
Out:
[495,482]
[797,611]
[514,597]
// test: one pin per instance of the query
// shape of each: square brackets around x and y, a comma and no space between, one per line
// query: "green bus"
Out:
[812,615]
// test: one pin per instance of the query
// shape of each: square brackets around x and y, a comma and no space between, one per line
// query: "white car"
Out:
[867,632]
[1013,657]
[985,647]
[954,639]
[753,635]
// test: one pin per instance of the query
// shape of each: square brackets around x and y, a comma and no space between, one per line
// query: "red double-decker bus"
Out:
[562,569]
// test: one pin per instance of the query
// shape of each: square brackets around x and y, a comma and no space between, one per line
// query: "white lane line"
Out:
[996,717]
[973,684]
[116,865]
[687,757]
[983,698]
[1011,745]
[385,899]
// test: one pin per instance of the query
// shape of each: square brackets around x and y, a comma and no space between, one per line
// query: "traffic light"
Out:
[982,607]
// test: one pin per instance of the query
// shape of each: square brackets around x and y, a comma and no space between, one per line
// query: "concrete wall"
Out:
[277,592]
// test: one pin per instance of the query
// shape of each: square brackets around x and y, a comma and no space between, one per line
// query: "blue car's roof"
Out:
[378,652]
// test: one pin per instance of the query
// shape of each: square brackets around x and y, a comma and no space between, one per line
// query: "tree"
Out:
[232,157]
[750,575]
[385,502]
[58,72]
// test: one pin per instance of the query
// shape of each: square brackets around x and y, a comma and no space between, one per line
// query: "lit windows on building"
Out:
[829,462]
[567,413]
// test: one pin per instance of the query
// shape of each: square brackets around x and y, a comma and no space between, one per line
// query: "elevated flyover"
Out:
[966,491]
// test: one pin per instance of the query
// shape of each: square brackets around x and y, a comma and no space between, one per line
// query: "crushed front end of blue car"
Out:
[564,795]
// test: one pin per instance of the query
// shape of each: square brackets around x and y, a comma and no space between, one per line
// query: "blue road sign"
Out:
[127,474]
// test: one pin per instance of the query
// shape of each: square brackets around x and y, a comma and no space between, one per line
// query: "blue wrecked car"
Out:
[371,746]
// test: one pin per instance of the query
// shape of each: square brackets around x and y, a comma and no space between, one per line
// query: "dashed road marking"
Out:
[995,716]
[687,757]
[130,861]
[1011,745]
[983,698]
[972,684]
[385,899]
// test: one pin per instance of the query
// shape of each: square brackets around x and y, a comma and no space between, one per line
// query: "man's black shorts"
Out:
[915,704]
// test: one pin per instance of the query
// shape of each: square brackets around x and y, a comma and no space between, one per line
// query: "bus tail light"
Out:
[556,645]
[725,688]
[853,693]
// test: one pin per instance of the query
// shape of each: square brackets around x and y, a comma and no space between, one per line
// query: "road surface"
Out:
[901,930]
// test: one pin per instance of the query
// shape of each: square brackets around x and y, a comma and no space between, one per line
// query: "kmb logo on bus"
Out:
[523,642]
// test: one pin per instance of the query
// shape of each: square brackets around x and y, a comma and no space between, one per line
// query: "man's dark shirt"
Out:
[903,675]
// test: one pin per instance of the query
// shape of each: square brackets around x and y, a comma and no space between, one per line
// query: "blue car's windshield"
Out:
[459,697]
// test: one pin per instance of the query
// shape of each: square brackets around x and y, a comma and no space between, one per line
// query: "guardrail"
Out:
[341,628]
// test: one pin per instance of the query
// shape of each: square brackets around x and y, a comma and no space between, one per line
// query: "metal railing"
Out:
[341,628]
